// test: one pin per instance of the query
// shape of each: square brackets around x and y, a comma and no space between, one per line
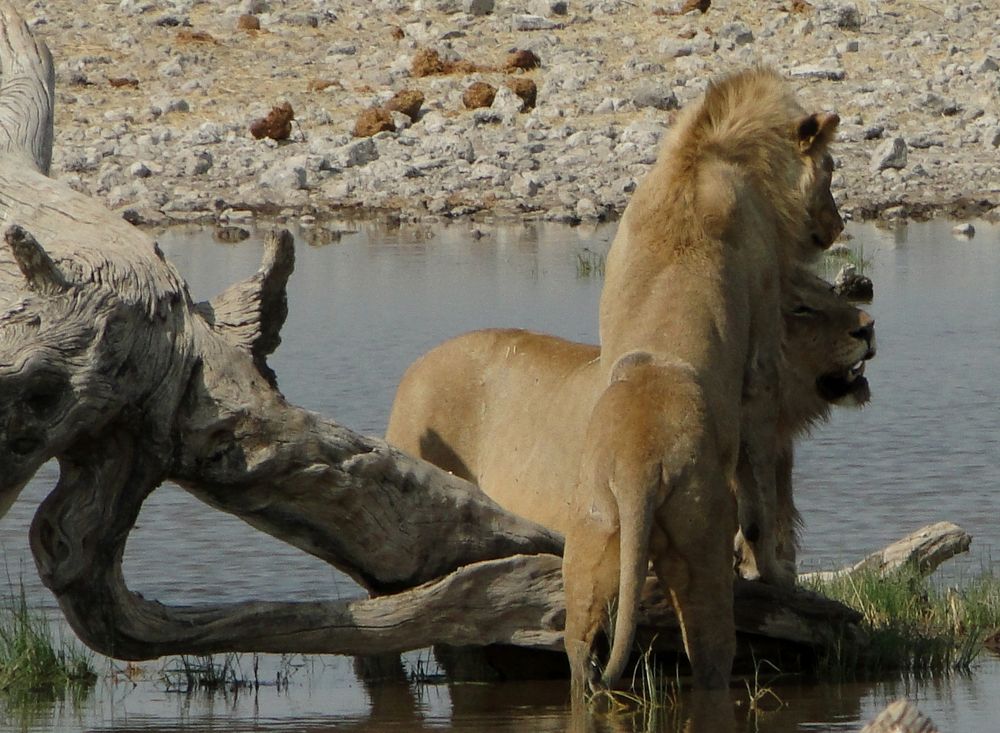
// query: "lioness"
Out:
[649,488]
[507,409]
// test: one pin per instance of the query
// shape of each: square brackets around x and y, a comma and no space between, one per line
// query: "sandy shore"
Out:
[155,100]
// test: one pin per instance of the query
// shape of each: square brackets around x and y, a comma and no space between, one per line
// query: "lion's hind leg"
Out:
[590,581]
[692,557]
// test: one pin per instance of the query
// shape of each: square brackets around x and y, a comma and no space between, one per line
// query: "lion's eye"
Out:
[804,310]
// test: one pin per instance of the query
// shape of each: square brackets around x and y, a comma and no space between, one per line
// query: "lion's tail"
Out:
[636,523]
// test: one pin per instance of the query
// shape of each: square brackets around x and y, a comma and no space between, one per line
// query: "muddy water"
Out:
[365,305]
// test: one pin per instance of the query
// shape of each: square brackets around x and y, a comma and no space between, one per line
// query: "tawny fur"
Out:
[507,408]
[738,197]
[649,491]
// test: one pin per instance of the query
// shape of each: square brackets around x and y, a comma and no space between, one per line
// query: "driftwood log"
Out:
[923,550]
[107,365]
[900,716]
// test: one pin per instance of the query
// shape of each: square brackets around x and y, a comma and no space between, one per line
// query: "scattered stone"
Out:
[407,101]
[309,20]
[479,94]
[925,140]
[891,154]
[171,68]
[478,7]
[656,96]
[134,217]
[234,215]
[231,234]
[170,21]
[673,48]
[525,185]
[355,153]
[486,116]
[198,164]
[140,170]
[845,16]
[964,231]
[289,175]
[934,104]
[525,22]
[79,79]
[987,65]
[873,132]
[208,133]
[508,104]
[343,48]
[602,86]
[525,89]
[609,104]
[372,121]
[549,7]
[400,121]
[739,33]
[522,59]
[248,22]
[448,7]
[166,106]
[587,209]
[830,71]
[277,125]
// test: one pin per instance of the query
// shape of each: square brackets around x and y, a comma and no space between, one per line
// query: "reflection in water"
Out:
[365,305]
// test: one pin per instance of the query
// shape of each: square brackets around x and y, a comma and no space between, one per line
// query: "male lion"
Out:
[738,196]
[689,312]
[507,409]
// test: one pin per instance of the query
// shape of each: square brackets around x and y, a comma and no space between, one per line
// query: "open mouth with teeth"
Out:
[845,385]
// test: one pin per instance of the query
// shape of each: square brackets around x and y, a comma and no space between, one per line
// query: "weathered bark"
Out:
[923,550]
[27,92]
[389,520]
[900,717]
[108,366]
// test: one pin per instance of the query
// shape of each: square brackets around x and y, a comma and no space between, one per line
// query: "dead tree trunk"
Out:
[900,717]
[107,365]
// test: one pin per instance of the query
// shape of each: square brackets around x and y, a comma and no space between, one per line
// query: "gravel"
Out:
[916,85]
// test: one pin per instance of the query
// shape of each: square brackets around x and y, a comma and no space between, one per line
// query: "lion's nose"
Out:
[866,332]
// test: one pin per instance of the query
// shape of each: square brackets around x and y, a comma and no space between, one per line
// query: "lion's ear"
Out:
[627,362]
[34,262]
[816,131]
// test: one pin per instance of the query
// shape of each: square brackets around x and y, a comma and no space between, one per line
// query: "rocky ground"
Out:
[156,99]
